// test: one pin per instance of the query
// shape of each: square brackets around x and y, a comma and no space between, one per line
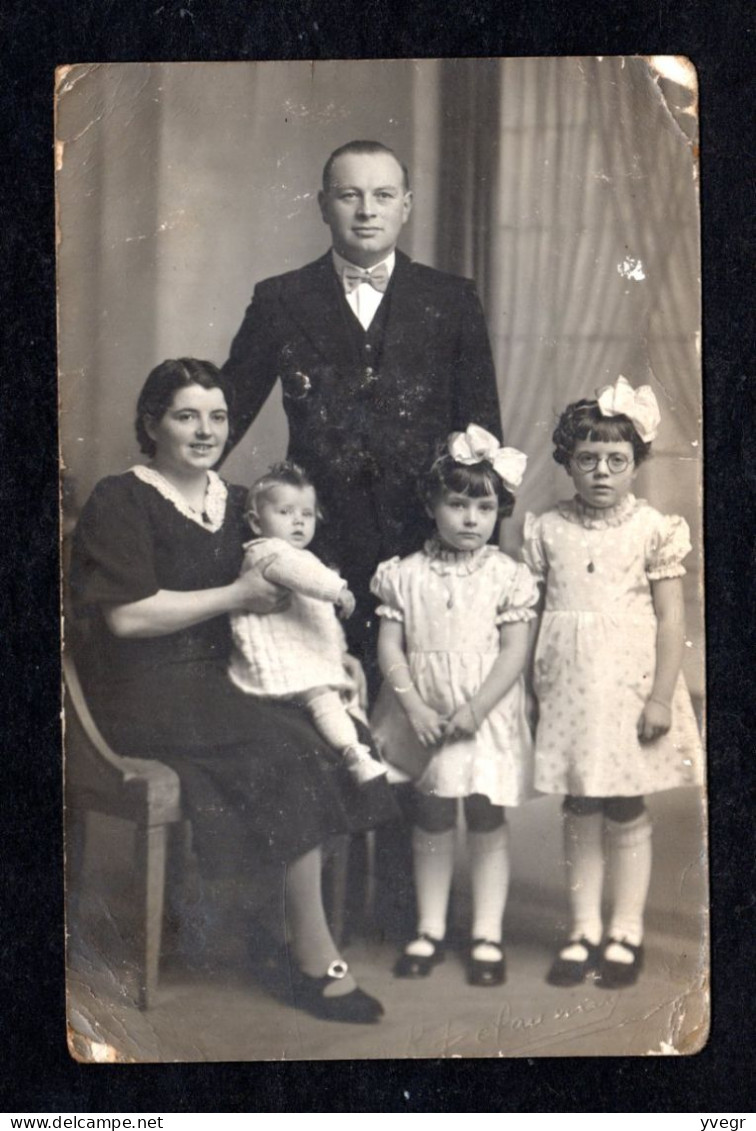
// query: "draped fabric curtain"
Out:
[567,191]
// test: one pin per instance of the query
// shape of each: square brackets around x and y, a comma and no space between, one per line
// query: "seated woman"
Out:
[156,561]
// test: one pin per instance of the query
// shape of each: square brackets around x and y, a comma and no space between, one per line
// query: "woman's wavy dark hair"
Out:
[582,420]
[161,386]
[476,480]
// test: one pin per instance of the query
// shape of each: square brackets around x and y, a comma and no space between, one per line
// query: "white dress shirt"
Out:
[364,299]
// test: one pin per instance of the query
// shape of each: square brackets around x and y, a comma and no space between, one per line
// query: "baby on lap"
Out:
[298,653]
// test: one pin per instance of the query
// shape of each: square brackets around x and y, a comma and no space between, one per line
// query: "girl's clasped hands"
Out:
[432,728]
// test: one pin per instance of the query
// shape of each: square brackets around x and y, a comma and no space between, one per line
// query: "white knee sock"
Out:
[489,867]
[584,855]
[332,720]
[433,866]
[629,844]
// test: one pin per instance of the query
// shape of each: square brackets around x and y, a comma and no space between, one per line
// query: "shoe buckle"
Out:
[338,969]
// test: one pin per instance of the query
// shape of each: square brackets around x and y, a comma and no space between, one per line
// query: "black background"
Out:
[36,1073]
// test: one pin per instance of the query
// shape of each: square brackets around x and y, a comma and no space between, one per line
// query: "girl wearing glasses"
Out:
[616,721]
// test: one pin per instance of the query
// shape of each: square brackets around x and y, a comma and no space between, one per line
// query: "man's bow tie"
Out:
[377,278]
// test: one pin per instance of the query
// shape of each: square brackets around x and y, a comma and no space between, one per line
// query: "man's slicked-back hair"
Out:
[362,147]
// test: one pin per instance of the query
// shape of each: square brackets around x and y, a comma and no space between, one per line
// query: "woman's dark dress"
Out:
[258,782]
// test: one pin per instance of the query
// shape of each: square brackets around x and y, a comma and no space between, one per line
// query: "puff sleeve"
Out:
[114,550]
[519,596]
[532,550]
[666,547]
[386,586]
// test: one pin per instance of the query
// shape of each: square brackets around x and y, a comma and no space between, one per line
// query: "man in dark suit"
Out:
[379,358]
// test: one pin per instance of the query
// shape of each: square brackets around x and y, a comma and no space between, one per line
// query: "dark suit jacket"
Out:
[365,425]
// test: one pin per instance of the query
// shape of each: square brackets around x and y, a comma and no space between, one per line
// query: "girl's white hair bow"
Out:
[476,445]
[638,405]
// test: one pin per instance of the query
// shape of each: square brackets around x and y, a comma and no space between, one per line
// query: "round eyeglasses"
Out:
[616,462]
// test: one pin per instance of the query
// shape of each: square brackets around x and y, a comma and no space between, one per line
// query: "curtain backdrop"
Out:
[565,187]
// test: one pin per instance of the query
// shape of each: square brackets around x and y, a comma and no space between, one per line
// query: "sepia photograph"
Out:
[380,436]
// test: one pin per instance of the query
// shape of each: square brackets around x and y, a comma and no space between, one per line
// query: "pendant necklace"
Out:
[586,543]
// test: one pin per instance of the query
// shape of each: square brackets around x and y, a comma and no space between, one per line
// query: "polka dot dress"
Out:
[596,652]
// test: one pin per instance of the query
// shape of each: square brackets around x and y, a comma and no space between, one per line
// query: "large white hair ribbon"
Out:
[476,445]
[638,405]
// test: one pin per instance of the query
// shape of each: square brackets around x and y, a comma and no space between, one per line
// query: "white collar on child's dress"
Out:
[211,518]
[458,563]
[599,518]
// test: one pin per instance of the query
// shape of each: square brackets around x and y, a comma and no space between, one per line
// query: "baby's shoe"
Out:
[361,764]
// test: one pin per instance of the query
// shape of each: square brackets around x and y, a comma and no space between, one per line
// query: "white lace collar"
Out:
[212,516]
[599,518]
[457,563]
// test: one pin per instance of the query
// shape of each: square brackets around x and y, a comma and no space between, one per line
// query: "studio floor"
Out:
[238,1008]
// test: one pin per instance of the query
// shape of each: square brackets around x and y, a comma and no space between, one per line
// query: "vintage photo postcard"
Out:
[380,419]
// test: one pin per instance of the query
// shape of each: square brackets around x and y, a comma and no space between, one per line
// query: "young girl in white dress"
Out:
[451,715]
[615,717]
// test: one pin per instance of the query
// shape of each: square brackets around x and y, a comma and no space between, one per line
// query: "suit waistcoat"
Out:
[367,344]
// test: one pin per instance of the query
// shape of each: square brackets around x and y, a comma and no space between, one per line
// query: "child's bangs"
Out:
[606,430]
[477,481]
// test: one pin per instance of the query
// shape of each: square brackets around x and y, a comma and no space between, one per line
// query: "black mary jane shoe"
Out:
[355,1008]
[616,975]
[486,971]
[419,965]
[573,971]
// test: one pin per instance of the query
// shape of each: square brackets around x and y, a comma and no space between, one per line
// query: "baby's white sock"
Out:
[489,867]
[332,719]
[629,844]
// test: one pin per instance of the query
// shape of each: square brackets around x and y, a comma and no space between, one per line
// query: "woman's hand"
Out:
[353,668]
[462,724]
[655,720]
[258,595]
[427,724]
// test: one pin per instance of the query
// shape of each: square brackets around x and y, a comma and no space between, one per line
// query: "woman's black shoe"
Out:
[573,971]
[616,975]
[486,971]
[355,1008]
[419,965]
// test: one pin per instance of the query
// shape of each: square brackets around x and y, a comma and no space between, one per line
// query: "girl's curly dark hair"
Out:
[476,480]
[162,384]
[582,420]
